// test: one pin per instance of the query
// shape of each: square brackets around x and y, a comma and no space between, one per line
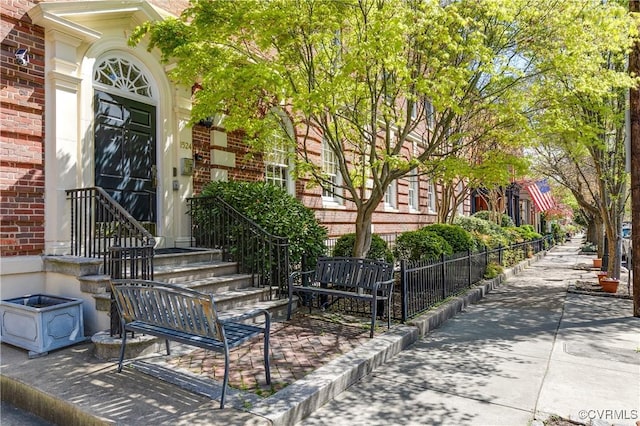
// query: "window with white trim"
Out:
[331,191]
[431,198]
[276,167]
[391,196]
[430,113]
[122,75]
[413,193]
[460,189]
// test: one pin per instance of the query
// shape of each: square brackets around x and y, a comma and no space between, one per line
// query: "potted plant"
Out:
[597,262]
[610,285]
[601,275]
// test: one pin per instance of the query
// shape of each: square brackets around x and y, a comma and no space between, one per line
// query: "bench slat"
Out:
[186,316]
[347,277]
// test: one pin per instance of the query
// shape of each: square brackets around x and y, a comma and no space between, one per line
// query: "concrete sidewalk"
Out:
[527,351]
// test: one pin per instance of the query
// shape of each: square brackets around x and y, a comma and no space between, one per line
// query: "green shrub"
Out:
[520,234]
[276,212]
[505,219]
[493,270]
[558,234]
[460,239]
[379,249]
[486,233]
[421,245]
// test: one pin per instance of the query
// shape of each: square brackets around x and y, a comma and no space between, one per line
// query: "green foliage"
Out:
[493,270]
[458,238]
[487,233]
[421,245]
[520,234]
[589,248]
[505,219]
[379,249]
[276,212]
[558,233]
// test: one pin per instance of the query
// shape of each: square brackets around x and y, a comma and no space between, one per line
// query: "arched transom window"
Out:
[122,75]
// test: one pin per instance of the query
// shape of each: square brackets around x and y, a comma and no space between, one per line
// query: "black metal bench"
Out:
[185,316]
[347,277]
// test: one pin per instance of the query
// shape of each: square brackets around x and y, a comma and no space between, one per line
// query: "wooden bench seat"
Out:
[186,316]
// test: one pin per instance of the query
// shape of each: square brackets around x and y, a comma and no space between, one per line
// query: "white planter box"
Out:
[40,322]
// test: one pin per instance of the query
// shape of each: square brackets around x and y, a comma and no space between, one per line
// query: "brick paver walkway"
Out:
[298,347]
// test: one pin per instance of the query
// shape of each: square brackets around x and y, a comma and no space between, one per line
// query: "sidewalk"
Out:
[528,347]
[527,351]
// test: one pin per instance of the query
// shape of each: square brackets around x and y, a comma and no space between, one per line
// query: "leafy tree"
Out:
[362,75]
[581,141]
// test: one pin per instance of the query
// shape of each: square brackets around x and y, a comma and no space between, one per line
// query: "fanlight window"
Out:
[123,75]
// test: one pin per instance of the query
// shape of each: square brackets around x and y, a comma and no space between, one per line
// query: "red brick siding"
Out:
[21,134]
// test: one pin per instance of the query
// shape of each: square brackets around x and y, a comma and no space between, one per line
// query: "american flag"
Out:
[541,195]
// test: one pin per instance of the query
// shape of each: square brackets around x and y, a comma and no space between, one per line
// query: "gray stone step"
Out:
[218,284]
[177,256]
[193,271]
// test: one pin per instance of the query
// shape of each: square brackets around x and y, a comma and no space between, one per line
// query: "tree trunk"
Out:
[634,118]
[363,231]
[592,232]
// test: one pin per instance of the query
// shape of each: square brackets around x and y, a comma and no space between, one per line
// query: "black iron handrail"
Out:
[102,228]
[216,224]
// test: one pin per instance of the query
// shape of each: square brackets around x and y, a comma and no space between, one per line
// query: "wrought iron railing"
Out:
[424,284]
[102,228]
[216,224]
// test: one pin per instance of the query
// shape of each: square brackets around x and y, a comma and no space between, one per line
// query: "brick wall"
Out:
[21,134]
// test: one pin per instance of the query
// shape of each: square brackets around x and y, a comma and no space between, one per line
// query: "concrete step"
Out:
[183,256]
[277,307]
[240,298]
[193,271]
[219,284]
[94,284]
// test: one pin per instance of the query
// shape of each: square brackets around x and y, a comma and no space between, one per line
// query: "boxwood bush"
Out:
[379,249]
[276,212]
[460,239]
[421,245]
[505,219]
[487,233]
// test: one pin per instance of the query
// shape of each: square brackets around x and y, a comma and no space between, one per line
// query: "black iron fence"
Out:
[216,224]
[424,284]
[102,228]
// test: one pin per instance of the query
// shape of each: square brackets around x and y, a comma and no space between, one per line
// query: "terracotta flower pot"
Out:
[601,275]
[597,262]
[610,285]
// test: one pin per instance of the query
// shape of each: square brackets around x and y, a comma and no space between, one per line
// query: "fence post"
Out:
[469,267]
[486,257]
[444,277]
[404,294]
[500,262]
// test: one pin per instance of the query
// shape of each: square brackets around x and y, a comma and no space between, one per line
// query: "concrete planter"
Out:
[40,322]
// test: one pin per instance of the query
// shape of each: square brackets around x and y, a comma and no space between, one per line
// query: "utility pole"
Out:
[634,135]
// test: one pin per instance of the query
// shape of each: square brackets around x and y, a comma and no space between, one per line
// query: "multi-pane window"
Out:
[391,196]
[277,168]
[430,113]
[413,192]
[460,189]
[331,190]
[431,198]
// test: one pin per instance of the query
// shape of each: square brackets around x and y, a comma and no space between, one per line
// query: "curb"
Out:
[301,398]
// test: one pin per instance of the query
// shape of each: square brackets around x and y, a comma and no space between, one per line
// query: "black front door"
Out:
[125,153]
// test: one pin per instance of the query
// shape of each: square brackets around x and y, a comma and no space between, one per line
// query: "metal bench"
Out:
[347,277]
[185,316]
